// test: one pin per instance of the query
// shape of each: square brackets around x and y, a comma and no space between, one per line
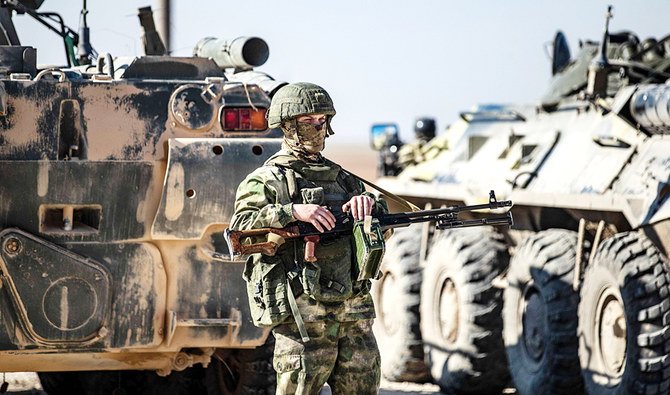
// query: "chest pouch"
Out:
[313,195]
[369,248]
[329,279]
[266,290]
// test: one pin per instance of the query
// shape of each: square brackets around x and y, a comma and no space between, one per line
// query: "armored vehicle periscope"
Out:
[575,297]
[117,176]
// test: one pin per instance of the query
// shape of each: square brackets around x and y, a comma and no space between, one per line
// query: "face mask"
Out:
[305,139]
[312,137]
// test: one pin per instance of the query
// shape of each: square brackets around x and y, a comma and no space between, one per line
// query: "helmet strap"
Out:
[329,129]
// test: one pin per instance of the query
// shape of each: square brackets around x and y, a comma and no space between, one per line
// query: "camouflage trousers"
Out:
[343,354]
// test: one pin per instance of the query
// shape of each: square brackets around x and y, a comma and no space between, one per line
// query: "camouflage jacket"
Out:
[265,199]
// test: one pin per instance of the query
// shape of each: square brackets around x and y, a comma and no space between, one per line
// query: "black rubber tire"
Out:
[627,284]
[540,315]
[238,372]
[397,296]
[466,356]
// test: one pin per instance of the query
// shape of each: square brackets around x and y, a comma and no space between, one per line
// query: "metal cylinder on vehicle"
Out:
[18,59]
[240,53]
[650,106]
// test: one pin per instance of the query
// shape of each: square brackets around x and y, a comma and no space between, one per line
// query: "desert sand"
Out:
[358,159]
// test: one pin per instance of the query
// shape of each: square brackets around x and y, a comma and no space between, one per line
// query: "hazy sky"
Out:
[380,60]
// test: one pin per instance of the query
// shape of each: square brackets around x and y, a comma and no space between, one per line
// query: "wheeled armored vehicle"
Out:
[575,297]
[117,177]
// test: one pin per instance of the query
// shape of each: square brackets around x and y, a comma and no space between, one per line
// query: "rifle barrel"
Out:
[466,223]
[404,219]
[458,209]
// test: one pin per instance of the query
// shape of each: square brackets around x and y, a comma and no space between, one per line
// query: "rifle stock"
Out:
[236,247]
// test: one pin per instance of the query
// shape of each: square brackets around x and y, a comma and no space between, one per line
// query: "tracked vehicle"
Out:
[575,297]
[117,176]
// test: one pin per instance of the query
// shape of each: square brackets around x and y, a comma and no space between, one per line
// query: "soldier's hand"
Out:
[320,217]
[360,206]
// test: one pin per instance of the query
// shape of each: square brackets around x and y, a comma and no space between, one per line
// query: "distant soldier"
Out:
[320,312]
[413,153]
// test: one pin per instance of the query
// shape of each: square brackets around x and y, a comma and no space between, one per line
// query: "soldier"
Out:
[321,314]
[413,153]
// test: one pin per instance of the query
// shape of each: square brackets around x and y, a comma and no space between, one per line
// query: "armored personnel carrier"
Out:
[575,297]
[117,176]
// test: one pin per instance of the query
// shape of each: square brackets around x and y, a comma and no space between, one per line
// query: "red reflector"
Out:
[244,118]
[231,119]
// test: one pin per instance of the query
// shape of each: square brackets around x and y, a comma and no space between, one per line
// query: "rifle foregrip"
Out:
[310,247]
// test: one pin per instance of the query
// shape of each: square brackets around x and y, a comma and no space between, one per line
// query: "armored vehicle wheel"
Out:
[540,315]
[624,323]
[461,321]
[397,299]
[242,371]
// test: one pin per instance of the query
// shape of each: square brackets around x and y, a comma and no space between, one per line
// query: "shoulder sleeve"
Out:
[262,201]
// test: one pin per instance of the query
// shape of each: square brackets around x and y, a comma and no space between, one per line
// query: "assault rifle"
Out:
[444,218]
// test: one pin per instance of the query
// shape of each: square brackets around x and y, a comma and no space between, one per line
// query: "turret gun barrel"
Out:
[242,53]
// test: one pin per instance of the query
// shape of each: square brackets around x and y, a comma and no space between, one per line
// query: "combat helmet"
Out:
[424,128]
[300,98]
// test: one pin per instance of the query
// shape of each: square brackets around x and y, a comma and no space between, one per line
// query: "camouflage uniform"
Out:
[343,353]
[337,310]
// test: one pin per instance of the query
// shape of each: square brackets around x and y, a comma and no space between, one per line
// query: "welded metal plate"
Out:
[59,297]
[115,190]
[200,183]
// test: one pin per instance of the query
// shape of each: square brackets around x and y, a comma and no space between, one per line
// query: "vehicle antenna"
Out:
[599,67]
[84,49]
[602,59]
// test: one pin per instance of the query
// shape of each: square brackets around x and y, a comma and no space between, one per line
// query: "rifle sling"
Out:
[289,173]
[390,195]
[294,275]
[296,313]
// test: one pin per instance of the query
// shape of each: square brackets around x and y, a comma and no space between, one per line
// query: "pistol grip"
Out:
[310,246]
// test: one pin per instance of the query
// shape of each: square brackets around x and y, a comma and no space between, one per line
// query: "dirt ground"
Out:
[389,388]
[26,383]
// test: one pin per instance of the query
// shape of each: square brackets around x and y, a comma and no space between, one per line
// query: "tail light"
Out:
[243,118]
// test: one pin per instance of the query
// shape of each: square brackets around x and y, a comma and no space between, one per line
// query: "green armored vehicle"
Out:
[576,296]
[117,176]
